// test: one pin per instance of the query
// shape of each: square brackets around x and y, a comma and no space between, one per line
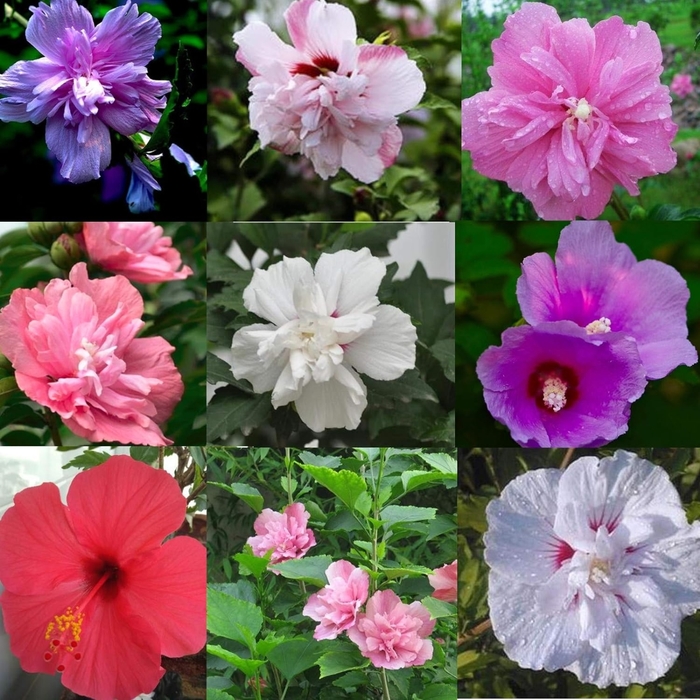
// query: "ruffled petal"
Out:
[84,151]
[337,403]
[395,82]
[261,372]
[259,47]
[48,24]
[350,280]
[319,29]
[270,294]
[388,348]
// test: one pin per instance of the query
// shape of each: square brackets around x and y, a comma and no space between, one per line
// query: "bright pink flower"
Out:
[392,634]
[91,590]
[336,605]
[137,250]
[285,533]
[444,581]
[682,84]
[73,348]
[573,111]
[326,97]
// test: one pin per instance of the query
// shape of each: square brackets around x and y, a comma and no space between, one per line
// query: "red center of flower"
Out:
[320,66]
[553,386]
[63,632]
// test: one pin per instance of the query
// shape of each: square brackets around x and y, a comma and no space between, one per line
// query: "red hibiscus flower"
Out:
[91,590]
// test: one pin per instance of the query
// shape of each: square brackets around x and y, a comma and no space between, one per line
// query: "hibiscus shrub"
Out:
[332,574]
[598,347]
[76,141]
[294,359]
[111,350]
[565,565]
[338,105]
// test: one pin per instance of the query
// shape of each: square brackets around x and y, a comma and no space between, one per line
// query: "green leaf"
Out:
[438,608]
[355,235]
[218,370]
[232,618]
[391,515]
[346,485]
[8,387]
[231,410]
[295,656]
[256,565]
[256,147]
[394,570]
[444,352]
[412,480]
[89,458]
[432,101]
[311,569]
[437,691]
[408,387]
[319,460]
[334,662]
[248,666]
[178,100]
[246,493]
[217,694]
[471,513]
[444,463]
[149,455]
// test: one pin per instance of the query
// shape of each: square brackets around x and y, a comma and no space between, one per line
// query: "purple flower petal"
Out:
[554,385]
[84,151]
[598,284]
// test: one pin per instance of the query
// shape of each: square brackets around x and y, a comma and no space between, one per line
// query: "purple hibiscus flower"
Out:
[92,78]
[598,284]
[555,385]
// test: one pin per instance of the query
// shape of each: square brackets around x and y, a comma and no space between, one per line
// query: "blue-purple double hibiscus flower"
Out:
[601,325]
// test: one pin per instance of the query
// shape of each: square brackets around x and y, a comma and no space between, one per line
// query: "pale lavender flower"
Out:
[592,569]
[598,284]
[91,78]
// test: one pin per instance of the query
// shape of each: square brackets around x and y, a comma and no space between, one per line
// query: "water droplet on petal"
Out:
[633,33]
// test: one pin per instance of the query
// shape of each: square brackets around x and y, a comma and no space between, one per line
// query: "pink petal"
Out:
[319,29]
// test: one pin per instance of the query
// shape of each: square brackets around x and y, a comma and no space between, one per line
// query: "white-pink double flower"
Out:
[326,324]
[593,569]
[326,97]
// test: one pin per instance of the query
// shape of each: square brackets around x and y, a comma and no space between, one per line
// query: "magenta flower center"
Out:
[321,66]
[64,631]
[553,386]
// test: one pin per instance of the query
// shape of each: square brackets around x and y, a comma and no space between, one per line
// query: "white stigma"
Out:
[582,111]
[602,325]
[554,394]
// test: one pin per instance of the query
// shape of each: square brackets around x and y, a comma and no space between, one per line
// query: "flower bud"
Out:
[638,212]
[8,386]
[44,232]
[362,216]
[65,252]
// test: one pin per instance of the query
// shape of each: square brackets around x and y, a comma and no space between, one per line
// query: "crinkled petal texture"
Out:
[284,533]
[326,326]
[554,385]
[392,634]
[73,349]
[90,79]
[94,595]
[325,97]
[573,111]
[336,605]
[138,250]
[592,569]
[444,582]
[595,278]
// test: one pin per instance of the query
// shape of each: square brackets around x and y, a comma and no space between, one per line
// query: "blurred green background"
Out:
[676,22]
[488,258]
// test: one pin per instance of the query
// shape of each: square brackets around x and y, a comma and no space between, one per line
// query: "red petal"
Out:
[120,655]
[124,507]
[169,588]
[38,547]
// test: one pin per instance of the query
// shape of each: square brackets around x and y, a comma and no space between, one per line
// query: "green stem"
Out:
[385,684]
[375,528]
[278,680]
[161,457]
[288,465]
[256,688]
[619,207]
[284,692]
[53,427]
[11,14]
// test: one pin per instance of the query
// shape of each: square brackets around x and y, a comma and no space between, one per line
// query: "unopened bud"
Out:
[638,212]
[44,232]
[362,216]
[65,252]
